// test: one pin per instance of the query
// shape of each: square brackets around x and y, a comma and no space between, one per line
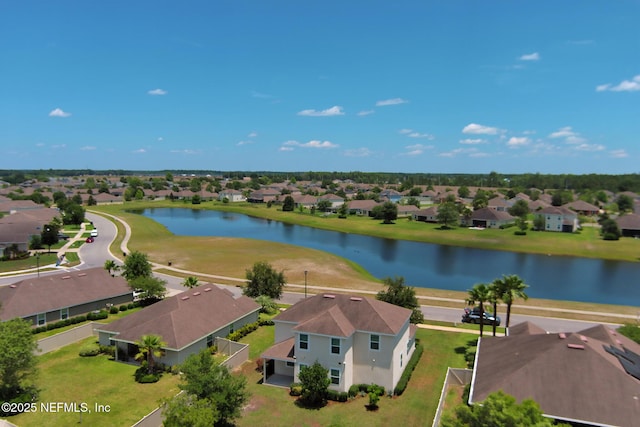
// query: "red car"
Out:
[90,239]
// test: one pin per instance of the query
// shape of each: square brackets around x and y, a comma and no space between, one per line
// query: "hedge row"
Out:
[406,375]
[247,329]
[102,314]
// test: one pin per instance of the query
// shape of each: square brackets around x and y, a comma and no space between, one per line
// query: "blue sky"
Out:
[398,86]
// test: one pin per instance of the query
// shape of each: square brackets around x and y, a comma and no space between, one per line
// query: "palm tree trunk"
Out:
[508,315]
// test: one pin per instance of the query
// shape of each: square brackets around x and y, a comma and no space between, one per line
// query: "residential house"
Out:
[490,218]
[629,225]
[407,210]
[499,204]
[336,201]
[18,228]
[359,340]
[362,207]
[426,215]
[231,195]
[264,196]
[587,378]
[391,195]
[187,322]
[50,298]
[536,205]
[582,208]
[559,219]
[304,200]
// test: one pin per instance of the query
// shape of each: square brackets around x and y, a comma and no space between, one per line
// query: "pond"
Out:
[424,264]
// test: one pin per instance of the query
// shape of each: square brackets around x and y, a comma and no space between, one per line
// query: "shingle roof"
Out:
[184,318]
[53,292]
[571,375]
[341,315]
[629,222]
[491,214]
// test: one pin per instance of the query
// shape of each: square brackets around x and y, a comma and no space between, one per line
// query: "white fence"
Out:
[455,376]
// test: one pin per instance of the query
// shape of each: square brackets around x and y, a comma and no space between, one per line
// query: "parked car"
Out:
[473,316]
[90,239]
[62,236]
[94,232]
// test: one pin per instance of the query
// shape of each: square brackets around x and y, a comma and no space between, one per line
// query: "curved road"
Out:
[95,254]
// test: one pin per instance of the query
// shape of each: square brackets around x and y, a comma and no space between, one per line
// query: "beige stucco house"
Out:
[359,340]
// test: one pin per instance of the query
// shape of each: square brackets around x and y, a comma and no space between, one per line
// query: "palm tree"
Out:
[150,346]
[480,294]
[190,282]
[495,294]
[512,287]
[111,266]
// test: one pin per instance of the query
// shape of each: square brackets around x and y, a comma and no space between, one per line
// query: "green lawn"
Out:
[26,263]
[66,377]
[272,406]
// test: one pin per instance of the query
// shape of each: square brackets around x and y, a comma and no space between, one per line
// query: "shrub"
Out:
[143,377]
[113,310]
[470,356]
[337,396]
[244,331]
[295,389]
[132,305]
[520,233]
[373,400]
[109,350]
[406,375]
[97,315]
[630,331]
[376,389]
[123,308]
[89,350]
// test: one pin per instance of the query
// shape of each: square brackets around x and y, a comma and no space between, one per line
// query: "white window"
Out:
[335,376]
[64,313]
[335,345]
[42,319]
[304,342]
[374,342]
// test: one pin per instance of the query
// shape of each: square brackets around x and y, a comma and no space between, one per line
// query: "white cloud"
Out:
[365,113]
[185,151]
[358,152]
[518,141]
[40,144]
[392,101]
[260,95]
[563,132]
[535,56]
[474,128]
[160,139]
[241,143]
[472,141]
[420,135]
[310,144]
[624,86]
[157,92]
[283,148]
[590,147]
[139,151]
[618,154]
[59,113]
[569,135]
[405,131]
[88,148]
[59,146]
[416,149]
[252,135]
[333,111]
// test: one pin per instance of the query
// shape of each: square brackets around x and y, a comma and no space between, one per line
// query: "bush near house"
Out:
[406,375]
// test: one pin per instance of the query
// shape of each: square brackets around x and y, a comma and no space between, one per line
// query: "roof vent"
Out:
[13,286]
[195,294]
[184,298]
[583,338]
[207,289]
[562,335]
[329,296]
[82,274]
[355,299]
[65,277]
[576,346]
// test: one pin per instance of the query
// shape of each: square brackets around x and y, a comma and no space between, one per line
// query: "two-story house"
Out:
[359,340]
[559,219]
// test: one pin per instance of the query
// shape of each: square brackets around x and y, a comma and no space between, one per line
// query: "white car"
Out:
[94,232]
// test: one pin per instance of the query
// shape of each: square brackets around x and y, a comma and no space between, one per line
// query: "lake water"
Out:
[427,265]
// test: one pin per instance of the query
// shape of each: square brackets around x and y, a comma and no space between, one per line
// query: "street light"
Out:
[305,283]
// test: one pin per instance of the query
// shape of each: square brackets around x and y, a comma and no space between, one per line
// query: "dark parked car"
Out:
[62,236]
[90,239]
[473,316]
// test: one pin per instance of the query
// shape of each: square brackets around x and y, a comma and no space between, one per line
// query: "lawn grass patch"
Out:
[66,377]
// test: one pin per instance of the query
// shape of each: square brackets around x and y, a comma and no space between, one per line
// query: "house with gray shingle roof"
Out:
[359,340]
[629,225]
[187,322]
[50,298]
[490,218]
[559,219]
[587,378]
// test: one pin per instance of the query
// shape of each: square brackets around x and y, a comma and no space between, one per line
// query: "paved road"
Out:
[95,254]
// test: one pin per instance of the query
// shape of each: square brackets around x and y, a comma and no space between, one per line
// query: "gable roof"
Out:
[53,292]
[342,315]
[557,210]
[491,214]
[184,318]
[581,205]
[572,376]
[628,222]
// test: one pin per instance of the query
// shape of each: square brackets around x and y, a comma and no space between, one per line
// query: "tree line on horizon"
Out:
[577,182]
